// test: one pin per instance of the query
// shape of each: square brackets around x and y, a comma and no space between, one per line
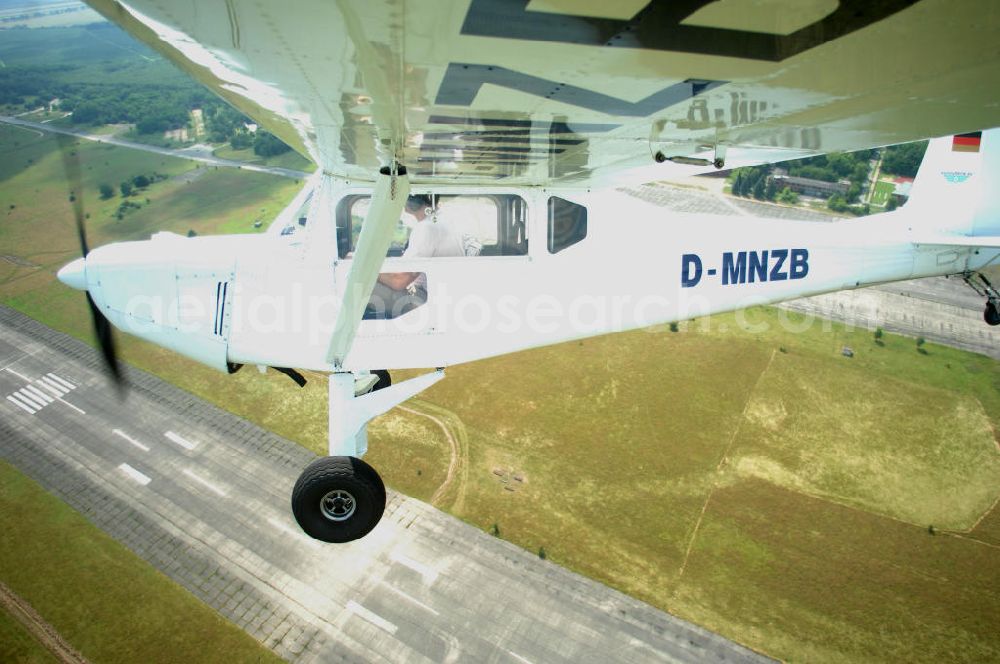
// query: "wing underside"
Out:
[578,93]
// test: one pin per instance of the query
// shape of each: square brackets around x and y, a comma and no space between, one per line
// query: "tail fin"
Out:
[956,188]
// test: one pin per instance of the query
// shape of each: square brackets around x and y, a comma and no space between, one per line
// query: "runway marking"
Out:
[122,434]
[518,657]
[10,397]
[299,535]
[205,483]
[430,574]
[183,442]
[134,474]
[61,381]
[21,376]
[410,599]
[32,394]
[58,391]
[33,400]
[66,403]
[37,392]
[371,617]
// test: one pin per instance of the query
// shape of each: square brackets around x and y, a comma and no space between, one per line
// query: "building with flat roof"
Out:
[810,187]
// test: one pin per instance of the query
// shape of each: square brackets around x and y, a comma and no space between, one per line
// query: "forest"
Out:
[102,76]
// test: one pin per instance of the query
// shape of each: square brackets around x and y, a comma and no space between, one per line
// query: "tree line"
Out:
[151,108]
[854,167]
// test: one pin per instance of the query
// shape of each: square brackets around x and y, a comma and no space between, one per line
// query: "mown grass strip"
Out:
[107,602]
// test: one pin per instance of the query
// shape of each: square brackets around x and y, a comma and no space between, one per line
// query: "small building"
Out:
[901,193]
[810,187]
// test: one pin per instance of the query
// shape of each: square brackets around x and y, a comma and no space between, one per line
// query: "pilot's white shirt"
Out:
[430,239]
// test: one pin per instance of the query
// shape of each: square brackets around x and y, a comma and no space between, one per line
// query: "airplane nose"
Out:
[74,274]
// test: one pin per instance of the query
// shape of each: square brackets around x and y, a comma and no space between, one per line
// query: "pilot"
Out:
[395,293]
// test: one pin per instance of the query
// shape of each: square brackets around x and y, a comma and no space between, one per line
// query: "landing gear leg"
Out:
[982,286]
[340,498]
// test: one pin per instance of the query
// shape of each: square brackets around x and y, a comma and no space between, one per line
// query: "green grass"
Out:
[18,645]
[291,159]
[884,189]
[104,600]
[809,581]
[36,215]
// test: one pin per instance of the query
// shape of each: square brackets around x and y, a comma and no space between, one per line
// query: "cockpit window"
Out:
[463,225]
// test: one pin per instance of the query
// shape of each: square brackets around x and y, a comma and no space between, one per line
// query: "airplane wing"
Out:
[582,92]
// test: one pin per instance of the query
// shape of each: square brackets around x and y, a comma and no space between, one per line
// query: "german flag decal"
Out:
[966,142]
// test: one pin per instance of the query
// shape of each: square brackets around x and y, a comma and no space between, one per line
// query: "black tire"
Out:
[384,379]
[338,499]
[991,315]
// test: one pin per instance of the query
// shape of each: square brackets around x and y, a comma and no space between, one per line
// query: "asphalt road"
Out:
[193,153]
[203,495]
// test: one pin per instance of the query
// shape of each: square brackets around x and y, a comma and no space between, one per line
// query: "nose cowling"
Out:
[74,274]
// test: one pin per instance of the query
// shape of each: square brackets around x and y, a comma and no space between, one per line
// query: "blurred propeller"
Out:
[71,274]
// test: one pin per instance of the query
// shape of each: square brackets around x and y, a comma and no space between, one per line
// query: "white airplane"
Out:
[507,123]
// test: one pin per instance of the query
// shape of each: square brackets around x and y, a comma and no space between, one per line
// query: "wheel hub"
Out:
[337,505]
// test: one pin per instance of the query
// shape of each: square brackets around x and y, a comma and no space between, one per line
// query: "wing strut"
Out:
[391,189]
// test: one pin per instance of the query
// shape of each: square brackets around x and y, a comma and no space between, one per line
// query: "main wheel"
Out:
[338,499]
[991,315]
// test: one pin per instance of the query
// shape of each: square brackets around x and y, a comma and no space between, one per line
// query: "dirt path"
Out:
[722,463]
[457,464]
[43,632]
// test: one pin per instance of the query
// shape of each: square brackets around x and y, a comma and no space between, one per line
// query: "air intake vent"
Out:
[221,289]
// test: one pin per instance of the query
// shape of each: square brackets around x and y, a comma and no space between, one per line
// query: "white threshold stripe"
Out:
[21,400]
[122,434]
[371,617]
[52,386]
[31,411]
[30,398]
[423,570]
[61,381]
[134,474]
[183,442]
[21,376]
[50,381]
[37,392]
[412,600]
[205,483]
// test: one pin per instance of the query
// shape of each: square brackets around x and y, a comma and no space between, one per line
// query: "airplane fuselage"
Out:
[265,299]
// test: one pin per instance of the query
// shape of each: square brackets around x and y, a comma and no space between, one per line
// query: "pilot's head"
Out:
[420,206]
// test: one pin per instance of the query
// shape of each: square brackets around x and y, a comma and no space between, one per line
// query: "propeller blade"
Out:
[106,342]
[71,164]
[102,326]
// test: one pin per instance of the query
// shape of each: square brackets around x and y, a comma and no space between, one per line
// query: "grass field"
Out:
[290,159]
[35,211]
[104,600]
[883,190]
[758,484]
[18,645]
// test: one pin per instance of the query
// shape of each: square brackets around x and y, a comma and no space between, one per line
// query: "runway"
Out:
[203,496]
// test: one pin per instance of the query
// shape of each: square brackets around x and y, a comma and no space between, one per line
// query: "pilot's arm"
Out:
[421,246]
